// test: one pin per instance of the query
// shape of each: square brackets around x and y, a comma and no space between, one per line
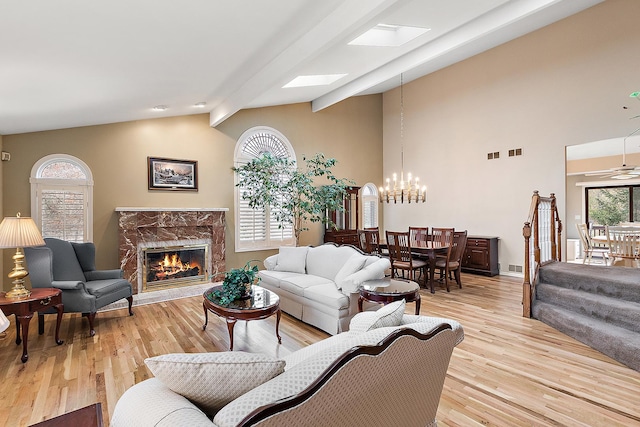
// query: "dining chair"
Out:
[442,235]
[418,235]
[589,247]
[624,246]
[400,255]
[454,264]
[370,241]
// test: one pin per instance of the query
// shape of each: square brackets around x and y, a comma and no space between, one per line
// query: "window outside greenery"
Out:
[613,205]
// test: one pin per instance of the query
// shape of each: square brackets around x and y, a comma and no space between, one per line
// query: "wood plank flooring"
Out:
[509,371]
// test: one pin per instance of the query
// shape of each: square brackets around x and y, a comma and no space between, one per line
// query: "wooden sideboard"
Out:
[481,256]
[342,237]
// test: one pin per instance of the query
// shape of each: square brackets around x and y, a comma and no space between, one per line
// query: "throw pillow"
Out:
[353,264]
[370,272]
[389,315]
[211,380]
[292,259]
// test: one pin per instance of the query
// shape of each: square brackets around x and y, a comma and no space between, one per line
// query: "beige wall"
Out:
[117,155]
[564,84]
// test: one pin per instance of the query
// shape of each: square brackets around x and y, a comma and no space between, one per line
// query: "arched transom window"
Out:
[255,228]
[62,198]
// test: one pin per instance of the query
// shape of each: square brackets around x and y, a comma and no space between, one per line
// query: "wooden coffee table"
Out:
[40,299]
[89,416]
[389,290]
[262,304]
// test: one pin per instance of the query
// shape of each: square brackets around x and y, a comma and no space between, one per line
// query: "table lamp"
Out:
[19,232]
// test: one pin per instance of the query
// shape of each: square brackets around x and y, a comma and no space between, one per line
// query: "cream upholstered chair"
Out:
[317,385]
[71,267]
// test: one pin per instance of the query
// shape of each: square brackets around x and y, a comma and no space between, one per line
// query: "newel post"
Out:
[526,285]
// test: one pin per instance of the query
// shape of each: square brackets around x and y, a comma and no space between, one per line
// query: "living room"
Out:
[561,85]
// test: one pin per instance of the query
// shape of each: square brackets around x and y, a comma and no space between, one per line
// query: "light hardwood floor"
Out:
[509,371]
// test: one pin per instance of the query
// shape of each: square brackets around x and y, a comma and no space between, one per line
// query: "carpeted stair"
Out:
[599,306]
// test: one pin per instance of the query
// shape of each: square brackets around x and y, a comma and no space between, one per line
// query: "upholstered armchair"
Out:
[71,267]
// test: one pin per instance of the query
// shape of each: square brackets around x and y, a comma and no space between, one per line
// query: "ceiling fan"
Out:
[622,172]
[625,171]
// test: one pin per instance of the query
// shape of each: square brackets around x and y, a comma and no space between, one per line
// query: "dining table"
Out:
[431,250]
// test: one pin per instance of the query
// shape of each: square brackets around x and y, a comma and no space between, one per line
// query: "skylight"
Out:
[388,35]
[317,80]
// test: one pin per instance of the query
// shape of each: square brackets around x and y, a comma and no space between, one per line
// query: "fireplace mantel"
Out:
[143,226]
[127,209]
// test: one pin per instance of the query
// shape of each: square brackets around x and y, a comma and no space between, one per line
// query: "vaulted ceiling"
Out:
[69,63]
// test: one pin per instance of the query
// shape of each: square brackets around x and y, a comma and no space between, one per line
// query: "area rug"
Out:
[159,296]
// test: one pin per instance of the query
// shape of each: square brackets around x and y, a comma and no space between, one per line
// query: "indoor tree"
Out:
[293,195]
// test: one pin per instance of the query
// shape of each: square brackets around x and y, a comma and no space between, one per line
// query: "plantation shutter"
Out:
[258,228]
[370,214]
[252,224]
[63,214]
[369,206]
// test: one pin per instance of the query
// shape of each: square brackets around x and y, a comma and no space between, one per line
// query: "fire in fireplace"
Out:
[174,266]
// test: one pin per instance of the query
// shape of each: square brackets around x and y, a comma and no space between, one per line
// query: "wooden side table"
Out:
[389,290]
[89,416]
[39,300]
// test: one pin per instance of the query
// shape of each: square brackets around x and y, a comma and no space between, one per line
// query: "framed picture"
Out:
[172,174]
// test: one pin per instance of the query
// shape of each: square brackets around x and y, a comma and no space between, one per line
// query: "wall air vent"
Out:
[515,268]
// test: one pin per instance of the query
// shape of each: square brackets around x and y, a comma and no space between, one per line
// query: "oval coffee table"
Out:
[262,304]
[389,290]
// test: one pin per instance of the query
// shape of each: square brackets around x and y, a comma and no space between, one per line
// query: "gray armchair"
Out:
[71,267]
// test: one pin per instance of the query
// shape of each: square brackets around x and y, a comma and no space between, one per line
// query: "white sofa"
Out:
[319,285]
[389,369]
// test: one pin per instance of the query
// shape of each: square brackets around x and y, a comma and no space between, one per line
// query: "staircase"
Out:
[599,306]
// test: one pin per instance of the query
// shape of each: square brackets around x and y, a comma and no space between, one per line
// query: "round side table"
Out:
[389,290]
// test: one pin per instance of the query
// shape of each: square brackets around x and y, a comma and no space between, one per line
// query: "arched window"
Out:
[62,198]
[255,228]
[369,206]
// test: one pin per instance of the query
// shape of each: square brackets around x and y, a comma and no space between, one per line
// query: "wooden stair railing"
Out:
[545,247]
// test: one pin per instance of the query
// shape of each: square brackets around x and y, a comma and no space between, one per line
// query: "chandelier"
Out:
[408,190]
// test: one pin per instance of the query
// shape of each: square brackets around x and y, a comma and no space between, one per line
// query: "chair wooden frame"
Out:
[369,240]
[442,235]
[624,246]
[400,255]
[454,264]
[589,247]
[419,234]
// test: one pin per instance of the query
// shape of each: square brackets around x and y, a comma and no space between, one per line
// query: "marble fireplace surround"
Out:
[144,227]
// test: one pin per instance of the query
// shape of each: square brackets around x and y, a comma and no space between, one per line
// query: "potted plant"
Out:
[237,284]
[293,195]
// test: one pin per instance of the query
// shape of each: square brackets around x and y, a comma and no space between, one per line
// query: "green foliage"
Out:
[294,196]
[234,284]
[609,206]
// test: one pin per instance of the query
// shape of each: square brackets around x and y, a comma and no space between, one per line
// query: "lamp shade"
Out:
[19,232]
